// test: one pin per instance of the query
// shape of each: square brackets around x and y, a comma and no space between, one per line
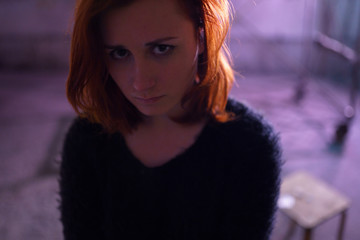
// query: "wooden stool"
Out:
[309,202]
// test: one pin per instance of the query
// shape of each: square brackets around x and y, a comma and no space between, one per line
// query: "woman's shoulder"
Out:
[249,135]
[82,128]
[84,135]
[246,122]
[84,144]
[82,125]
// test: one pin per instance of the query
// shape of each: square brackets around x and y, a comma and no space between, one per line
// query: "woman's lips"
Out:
[150,100]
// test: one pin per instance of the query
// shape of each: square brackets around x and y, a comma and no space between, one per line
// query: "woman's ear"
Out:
[201,41]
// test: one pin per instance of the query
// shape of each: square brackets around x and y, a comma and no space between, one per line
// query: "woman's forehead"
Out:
[146,19]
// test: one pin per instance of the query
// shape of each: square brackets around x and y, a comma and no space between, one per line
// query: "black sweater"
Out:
[225,186]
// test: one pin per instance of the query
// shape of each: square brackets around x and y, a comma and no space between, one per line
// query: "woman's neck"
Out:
[159,123]
[159,139]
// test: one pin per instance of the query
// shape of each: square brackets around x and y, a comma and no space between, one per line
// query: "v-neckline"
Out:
[173,161]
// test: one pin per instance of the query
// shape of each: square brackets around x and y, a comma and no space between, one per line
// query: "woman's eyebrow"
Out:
[156,41]
[113,46]
[160,40]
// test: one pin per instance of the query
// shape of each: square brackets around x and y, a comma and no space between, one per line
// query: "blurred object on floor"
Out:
[309,202]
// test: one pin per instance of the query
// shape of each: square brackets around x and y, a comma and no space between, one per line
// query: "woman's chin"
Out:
[154,112]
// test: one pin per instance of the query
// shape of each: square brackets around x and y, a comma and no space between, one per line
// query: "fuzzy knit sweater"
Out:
[225,186]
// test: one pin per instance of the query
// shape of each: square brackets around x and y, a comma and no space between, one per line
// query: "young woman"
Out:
[158,151]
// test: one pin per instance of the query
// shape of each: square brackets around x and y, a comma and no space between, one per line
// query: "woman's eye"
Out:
[119,53]
[163,49]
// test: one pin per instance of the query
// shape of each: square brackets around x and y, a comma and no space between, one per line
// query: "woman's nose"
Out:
[143,78]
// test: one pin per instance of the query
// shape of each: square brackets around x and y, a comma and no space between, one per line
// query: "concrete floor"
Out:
[34,116]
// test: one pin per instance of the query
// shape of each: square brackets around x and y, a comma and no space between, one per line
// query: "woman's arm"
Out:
[80,204]
[250,199]
[252,181]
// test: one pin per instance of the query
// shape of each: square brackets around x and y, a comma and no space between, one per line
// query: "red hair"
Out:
[94,95]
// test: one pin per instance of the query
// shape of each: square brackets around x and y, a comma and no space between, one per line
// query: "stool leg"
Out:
[290,230]
[307,234]
[342,225]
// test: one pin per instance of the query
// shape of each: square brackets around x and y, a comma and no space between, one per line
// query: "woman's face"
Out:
[152,52]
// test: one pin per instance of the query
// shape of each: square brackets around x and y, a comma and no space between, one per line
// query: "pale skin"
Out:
[152,50]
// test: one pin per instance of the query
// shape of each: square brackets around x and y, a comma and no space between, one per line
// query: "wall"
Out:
[271,35]
[34,34]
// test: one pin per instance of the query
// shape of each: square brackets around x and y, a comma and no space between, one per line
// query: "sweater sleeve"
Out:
[252,182]
[80,205]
